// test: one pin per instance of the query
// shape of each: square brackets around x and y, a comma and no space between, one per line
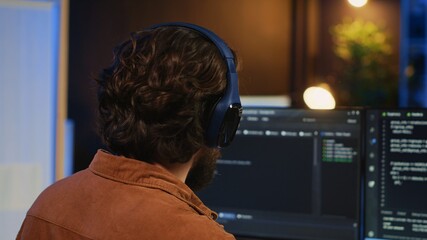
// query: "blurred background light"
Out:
[358,3]
[319,97]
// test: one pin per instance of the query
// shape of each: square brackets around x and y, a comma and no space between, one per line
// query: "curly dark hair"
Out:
[156,97]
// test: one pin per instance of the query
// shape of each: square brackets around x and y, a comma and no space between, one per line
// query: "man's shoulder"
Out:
[66,183]
[38,228]
[54,195]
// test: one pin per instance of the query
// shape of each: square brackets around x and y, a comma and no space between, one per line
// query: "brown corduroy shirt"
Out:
[120,198]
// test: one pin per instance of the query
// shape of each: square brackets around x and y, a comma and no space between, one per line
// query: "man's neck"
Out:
[180,170]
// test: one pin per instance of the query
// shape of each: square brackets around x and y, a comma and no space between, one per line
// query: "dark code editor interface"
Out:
[290,174]
[396,174]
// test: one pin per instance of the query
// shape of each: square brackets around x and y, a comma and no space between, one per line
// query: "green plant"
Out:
[364,75]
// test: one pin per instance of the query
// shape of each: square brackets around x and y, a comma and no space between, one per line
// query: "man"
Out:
[166,104]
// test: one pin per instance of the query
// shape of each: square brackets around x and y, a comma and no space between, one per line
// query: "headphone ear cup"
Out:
[223,123]
[229,125]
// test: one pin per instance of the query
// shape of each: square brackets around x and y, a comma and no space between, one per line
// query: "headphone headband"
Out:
[219,43]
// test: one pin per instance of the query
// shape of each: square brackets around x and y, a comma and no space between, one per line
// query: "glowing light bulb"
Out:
[318,98]
[358,3]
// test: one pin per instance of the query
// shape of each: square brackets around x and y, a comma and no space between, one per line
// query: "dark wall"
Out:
[283,45]
[259,31]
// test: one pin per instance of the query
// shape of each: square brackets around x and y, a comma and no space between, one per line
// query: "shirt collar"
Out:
[132,171]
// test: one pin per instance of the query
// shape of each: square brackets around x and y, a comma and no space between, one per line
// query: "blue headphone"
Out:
[225,117]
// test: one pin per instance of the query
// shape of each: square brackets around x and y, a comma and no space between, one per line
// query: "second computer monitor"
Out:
[396,174]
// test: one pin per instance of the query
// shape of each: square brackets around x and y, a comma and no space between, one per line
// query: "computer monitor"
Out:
[396,174]
[290,174]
